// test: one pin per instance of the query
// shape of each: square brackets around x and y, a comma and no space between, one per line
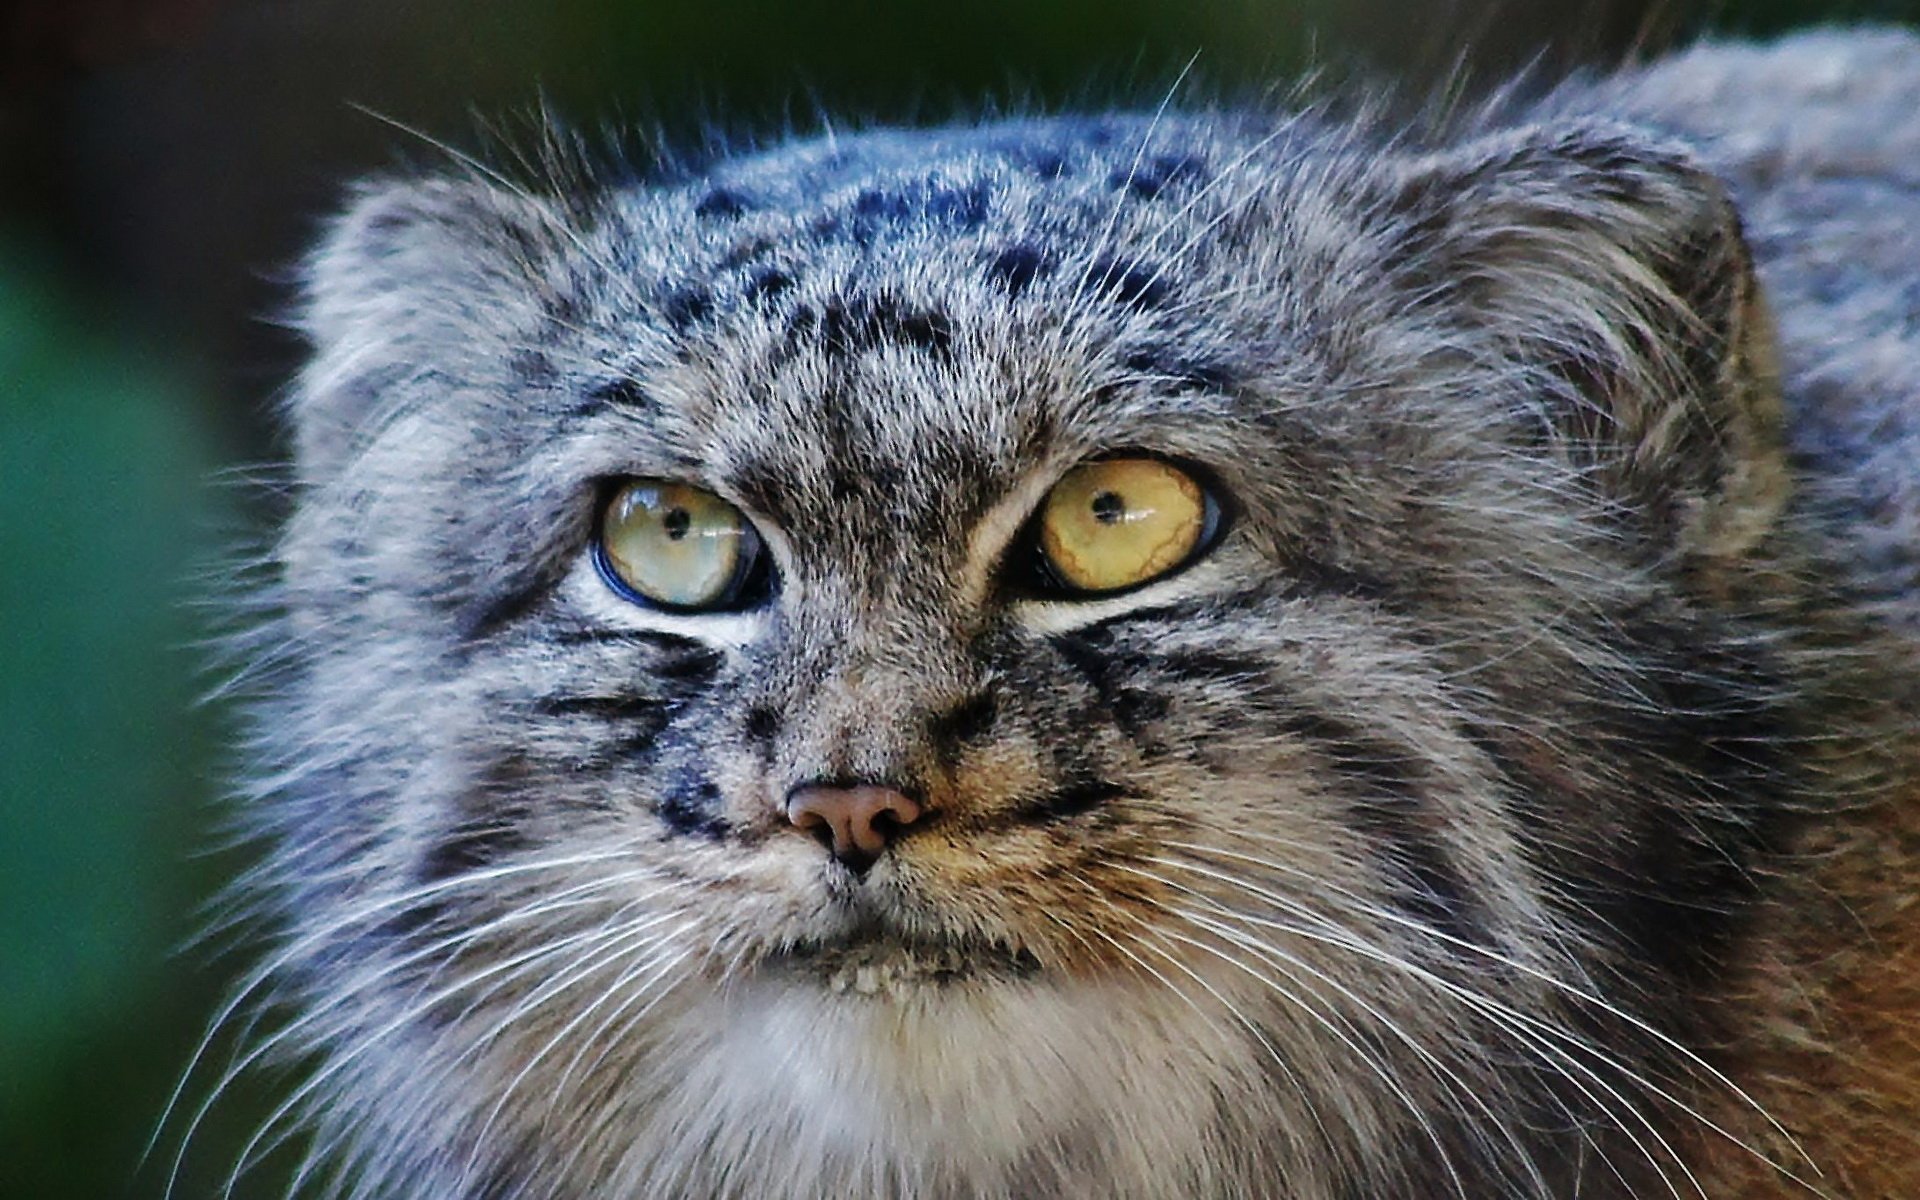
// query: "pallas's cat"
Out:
[1209,654]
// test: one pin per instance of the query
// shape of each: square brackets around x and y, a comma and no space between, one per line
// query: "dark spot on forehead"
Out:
[625,392]
[850,325]
[926,330]
[1138,286]
[1041,162]
[747,250]
[965,207]
[686,307]
[532,369]
[884,478]
[962,206]
[723,202]
[1150,178]
[875,202]
[766,284]
[1016,267]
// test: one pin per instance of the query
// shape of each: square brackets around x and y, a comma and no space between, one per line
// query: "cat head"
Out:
[1113,653]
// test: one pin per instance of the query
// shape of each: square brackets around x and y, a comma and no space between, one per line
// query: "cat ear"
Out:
[1608,269]
[408,280]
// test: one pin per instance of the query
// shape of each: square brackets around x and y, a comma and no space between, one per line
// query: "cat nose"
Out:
[856,822]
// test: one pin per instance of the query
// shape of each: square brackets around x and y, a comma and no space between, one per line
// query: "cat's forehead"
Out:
[932,313]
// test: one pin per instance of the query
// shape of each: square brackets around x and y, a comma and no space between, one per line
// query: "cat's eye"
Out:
[674,546]
[1117,523]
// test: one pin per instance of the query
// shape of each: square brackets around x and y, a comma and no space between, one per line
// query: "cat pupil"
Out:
[677,522]
[1108,508]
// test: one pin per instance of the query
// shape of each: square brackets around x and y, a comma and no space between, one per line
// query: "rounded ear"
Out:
[403,283]
[1609,268]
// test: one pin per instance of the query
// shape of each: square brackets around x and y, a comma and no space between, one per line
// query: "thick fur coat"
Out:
[1512,799]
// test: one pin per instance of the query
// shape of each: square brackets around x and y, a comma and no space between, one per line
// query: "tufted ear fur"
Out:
[396,290]
[1609,270]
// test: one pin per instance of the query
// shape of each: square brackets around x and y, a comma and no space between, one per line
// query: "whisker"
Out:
[337,928]
[608,952]
[1104,242]
[1530,971]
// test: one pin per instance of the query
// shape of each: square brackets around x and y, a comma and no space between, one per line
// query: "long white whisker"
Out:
[333,931]
[371,1040]
[652,953]
[1529,970]
[1104,242]
[1290,962]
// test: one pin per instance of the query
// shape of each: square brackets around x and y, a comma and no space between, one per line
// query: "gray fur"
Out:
[1400,847]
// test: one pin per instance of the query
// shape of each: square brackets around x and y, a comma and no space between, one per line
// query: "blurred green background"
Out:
[161,161]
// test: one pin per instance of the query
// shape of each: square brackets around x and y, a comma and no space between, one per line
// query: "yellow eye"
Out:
[1113,524]
[675,546]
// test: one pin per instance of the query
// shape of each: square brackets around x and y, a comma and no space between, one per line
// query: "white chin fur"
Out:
[974,1075]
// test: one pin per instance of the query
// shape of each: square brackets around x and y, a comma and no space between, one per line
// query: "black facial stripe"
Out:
[1168,369]
[1070,800]
[665,642]
[1210,666]
[494,613]
[691,670]
[1429,889]
[1093,663]
[684,661]
[1709,740]
[1309,576]
[615,708]
[1387,802]
[473,845]
[1127,680]
[965,723]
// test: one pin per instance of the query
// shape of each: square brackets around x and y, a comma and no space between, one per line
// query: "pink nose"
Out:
[856,822]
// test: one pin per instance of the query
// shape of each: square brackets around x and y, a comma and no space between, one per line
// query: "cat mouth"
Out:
[876,962]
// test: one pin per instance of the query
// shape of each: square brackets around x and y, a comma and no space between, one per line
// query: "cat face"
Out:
[906,836]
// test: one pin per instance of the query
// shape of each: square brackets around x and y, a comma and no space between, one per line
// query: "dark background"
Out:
[161,164]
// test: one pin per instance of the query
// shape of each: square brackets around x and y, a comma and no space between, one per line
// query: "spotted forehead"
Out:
[905,322]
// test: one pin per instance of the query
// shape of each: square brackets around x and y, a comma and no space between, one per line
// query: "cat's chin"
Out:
[882,965]
[989,1074]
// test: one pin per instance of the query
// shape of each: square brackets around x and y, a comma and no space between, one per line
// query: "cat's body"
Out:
[1474,811]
